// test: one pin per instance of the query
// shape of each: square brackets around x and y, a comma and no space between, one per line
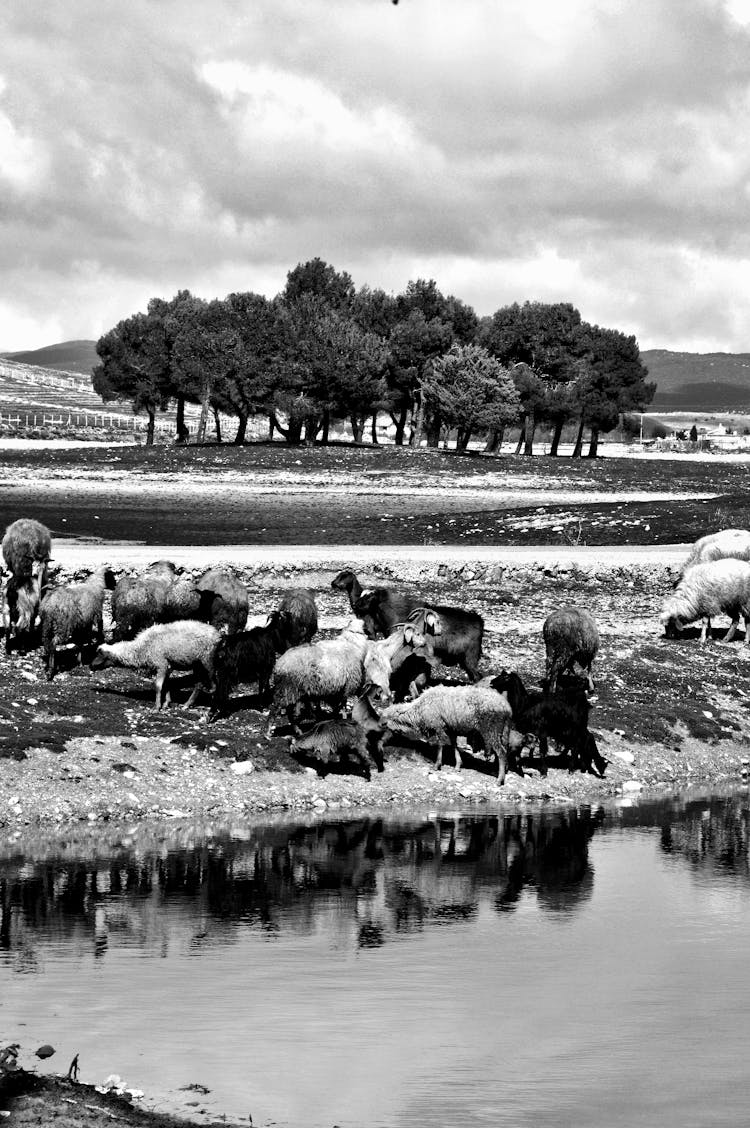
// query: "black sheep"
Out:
[248,656]
[562,715]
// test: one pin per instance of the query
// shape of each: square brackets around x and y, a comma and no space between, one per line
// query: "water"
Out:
[579,966]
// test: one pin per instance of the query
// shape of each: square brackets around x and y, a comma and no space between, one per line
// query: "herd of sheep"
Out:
[386,660]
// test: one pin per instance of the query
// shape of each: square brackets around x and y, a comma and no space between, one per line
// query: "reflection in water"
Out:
[525,968]
[389,877]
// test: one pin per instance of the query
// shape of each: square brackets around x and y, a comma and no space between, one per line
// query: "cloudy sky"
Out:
[593,151]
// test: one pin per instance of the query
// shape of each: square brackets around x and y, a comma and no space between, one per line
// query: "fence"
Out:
[84,419]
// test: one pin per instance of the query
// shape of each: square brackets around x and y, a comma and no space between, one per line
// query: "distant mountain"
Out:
[699,381]
[68,356]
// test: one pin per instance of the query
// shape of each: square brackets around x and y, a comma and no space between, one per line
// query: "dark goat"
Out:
[562,715]
[345,580]
[411,677]
[248,656]
[454,635]
[571,638]
[298,604]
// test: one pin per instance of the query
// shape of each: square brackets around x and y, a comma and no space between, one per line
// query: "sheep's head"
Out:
[378,671]
[103,658]
[110,580]
[671,620]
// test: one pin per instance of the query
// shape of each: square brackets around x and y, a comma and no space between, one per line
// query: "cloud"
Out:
[593,151]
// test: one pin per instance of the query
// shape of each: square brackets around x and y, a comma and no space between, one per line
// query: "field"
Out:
[90,746]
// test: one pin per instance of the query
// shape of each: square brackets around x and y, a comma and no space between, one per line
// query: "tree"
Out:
[132,367]
[611,380]
[204,350]
[546,338]
[414,343]
[318,279]
[254,372]
[471,391]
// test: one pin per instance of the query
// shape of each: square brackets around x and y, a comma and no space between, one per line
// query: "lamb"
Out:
[715,588]
[182,645]
[726,544]
[326,672]
[298,604]
[571,638]
[442,713]
[248,656]
[562,715]
[73,613]
[227,607]
[22,602]
[343,745]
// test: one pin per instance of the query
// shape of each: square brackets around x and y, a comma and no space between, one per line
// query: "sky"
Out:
[591,151]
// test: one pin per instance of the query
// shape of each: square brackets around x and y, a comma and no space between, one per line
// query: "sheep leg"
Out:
[733,626]
[162,688]
[203,680]
[705,627]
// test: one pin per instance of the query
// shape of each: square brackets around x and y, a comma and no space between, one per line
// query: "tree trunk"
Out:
[326,426]
[239,438]
[415,439]
[400,422]
[374,428]
[594,444]
[292,433]
[201,436]
[521,436]
[358,427]
[579,441]
[433,431]
[217,425]
[528,446]
[312,426]
[272,424]
[183,433]
[494,442]
[462,438]
[150,428]
[556,437]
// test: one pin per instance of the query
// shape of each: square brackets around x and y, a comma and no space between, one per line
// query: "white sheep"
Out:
[73,613]
[442,713]
[719,587]
[26,542]
[183,645]
[731,544]
[327,671]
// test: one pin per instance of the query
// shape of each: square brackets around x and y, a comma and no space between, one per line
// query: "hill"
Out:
[67,356]
[699,381]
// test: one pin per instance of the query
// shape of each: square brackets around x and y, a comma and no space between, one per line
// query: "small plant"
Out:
[573,534]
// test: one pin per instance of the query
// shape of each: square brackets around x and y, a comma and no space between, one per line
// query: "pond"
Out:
[579,966]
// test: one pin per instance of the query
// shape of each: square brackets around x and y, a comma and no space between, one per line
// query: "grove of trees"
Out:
[322,352]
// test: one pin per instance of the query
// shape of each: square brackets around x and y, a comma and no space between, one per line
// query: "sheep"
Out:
[341,744]
[715,588]
[442,713]
[298,604]
[562,715]
[227,609]
[726,544]
[571,639]
[26,547]
[455,635]
[159,595]
[326,672]
[182,645]
[25,543]
[22,605]
[73,613]
[248,656]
